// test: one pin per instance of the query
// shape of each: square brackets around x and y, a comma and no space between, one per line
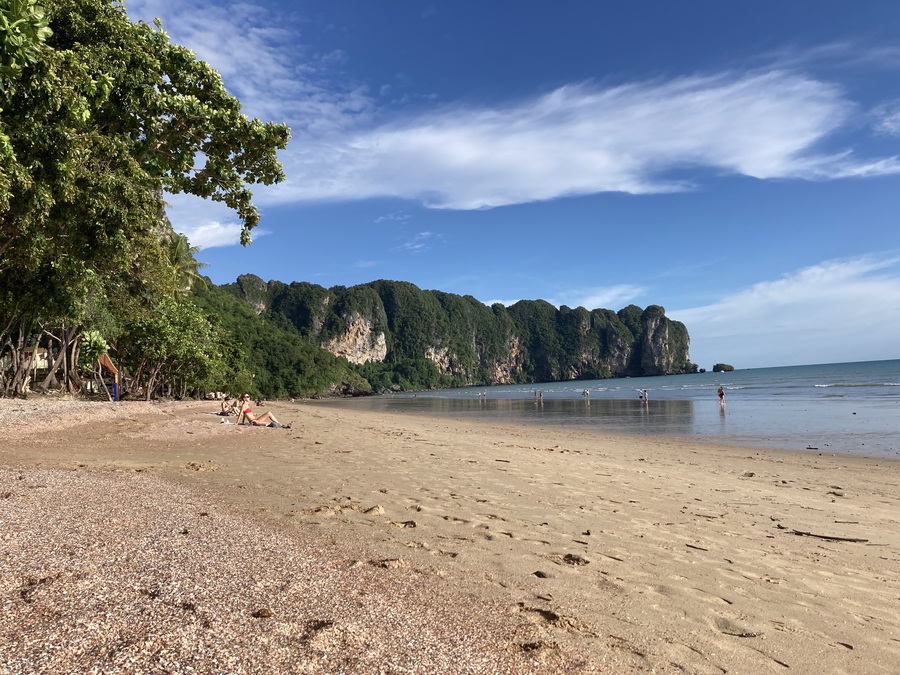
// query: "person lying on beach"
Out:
[249,417]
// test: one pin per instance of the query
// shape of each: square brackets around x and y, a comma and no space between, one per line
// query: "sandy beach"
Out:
[152,537]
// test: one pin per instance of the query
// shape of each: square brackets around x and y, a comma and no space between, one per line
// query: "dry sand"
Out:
[153,537]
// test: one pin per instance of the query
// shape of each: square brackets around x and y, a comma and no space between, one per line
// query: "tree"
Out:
[100,116]
[173,346]
[23,31]
[185,268]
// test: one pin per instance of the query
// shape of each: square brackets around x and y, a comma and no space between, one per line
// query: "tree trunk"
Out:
[151,380]
[65,351]
[99,376]
[24,365]
[7,352]
[51,379]
[11,317]
[73,348]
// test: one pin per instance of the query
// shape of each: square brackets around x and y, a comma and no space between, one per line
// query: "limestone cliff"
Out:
[447,362]
[359,343]
[657,354]
[409,337]
[506,370]
[254,291]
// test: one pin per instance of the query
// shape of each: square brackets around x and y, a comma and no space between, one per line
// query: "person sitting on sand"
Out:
[229,407]
[249,417]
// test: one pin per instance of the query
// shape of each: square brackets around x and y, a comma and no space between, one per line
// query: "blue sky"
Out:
[737,164]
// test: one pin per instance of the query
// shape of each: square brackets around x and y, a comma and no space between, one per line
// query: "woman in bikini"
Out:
[230,407]
[250,417]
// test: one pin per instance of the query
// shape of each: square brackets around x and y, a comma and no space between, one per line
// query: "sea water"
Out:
[839,408]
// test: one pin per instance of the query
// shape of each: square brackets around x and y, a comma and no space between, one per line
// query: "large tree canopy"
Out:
[105,95]
[98,117]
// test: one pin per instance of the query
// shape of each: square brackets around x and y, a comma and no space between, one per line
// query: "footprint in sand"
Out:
[201,466]
[572,559]
[455,520]
[404,524]
[712,596]
[554,620]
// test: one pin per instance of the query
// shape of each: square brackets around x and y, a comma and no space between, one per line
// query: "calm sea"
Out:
[841,408]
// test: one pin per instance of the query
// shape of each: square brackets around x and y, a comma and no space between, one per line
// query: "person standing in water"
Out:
[721,395]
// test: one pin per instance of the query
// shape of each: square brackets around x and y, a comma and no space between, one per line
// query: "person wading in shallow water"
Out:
[722,395]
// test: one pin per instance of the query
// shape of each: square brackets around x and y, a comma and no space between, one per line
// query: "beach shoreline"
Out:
[650,554]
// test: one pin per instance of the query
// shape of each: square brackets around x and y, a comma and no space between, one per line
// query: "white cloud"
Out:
[581,139]
[366,264]
[210,234]
[421,241]
[263,61]
[601,297]
[393,217]
[505,303]
[838,310]
[887,118]
[608,297]
[206,224]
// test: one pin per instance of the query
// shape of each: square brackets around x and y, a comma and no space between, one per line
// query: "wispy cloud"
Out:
[210,234]
[600,297]
[838,310]
[421,241]
[505,303]
[643,137]
[887,118]
[606,297]
[393,217]
[366,264]
[206,224]
[581,139]
[264,61]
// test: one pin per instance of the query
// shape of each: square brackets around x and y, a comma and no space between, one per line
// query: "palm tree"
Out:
[185,268]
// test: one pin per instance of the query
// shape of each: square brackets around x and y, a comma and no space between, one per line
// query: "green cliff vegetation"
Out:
[269,357]
[404,337]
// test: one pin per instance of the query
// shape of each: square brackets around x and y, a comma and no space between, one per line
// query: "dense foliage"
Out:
[269,357]
[99,117]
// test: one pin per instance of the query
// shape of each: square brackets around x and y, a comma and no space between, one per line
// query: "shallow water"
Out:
[847,408]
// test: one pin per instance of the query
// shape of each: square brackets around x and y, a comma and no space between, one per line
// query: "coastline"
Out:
[593,552]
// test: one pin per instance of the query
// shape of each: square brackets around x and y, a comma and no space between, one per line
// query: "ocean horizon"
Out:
[836,408]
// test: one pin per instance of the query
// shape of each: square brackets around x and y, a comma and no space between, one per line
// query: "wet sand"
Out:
[571,551]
